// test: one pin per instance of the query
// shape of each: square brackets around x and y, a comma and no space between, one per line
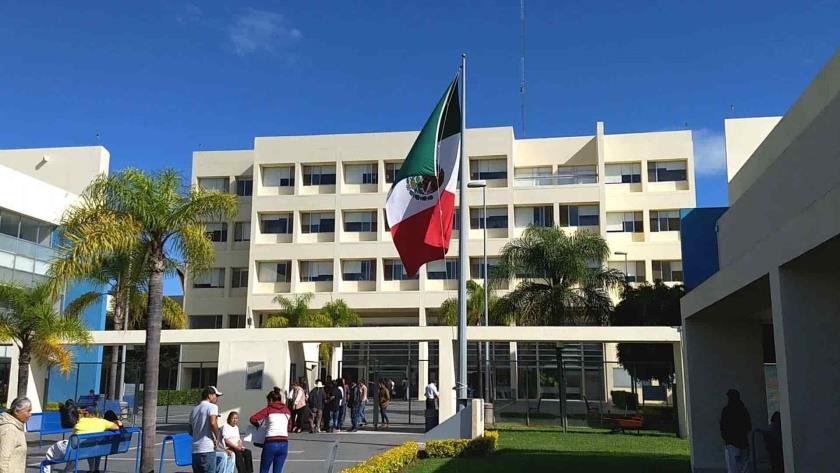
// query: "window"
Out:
[236,321]
[391,171]
[534,176]
[274,271]
[205,321]
[242,231]
[278,176]
[254,375]
[212,278]
[315,271]
[218,184]
[317,222]
[579,216]
[216,232]
[477,266]
[238,277]
[667,271]
[276,224]
[365,173]
[624,173]
[496,217]
[200,377]
[542,216]
[394,271]
[360,221]
[442,269]
[666,171]
[25,228]
[319,175]
[577,175]
[621,378]
[664,220]
[624,222]
[359,270]
[634,272]
[488,169]
[456,220]
[244,186]
[10,223]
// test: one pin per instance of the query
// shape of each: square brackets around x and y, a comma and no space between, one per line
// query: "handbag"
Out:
[255,435]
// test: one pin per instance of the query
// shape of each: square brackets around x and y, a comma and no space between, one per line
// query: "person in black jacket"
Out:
[735,426]
[317,399]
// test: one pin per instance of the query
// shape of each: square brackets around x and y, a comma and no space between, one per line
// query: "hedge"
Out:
[392,461]
[171,397]
[477,447]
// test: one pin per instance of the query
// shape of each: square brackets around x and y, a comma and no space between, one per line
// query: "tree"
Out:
[647,305]
[335,314]
[475,308]
[157,217]
[29,319]
[562,279]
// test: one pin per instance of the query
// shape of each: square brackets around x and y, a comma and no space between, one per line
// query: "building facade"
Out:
[311,218]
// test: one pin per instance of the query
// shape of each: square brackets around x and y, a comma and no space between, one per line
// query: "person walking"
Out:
[12,436]
[364,390]
[354,399]
[342,407]
[204,428]
[232,442]
[336,402]
[317,399]
[735,426]
[278,424]
[384,402]
[298,402]
[432,395]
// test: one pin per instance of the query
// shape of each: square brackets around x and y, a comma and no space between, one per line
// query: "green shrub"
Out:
[392,461]
[52,406]
[477,447]
[171,397]
[625,399]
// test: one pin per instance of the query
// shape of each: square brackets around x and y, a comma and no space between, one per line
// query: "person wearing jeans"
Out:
[278,424]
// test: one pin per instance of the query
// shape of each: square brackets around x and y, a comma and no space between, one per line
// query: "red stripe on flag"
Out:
[425,236]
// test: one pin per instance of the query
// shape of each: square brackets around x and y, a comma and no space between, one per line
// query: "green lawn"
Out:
[538,450]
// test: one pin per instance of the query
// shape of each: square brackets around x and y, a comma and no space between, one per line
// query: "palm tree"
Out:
[30,320]
[174,317]
[475,308]
[335,314]
[562,279]
[155,216]
[294,312]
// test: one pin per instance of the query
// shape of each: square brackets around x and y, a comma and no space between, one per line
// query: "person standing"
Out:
[342,407]
[773,443]
[735,426]
[298,402]
[336,402]
[278,424]
[204,428]
[364,390]
[232,441]
[432,395]
[316,407]
[384,402]
[12,436]
[354,399]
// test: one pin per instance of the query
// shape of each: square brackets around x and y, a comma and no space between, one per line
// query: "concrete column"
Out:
[514,372]
[232,369]
[723,351]
[806,321]
[679,391]
[336,361]
[446,383]
[422,359]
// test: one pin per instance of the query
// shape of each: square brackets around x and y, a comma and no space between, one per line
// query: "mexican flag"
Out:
[421,202]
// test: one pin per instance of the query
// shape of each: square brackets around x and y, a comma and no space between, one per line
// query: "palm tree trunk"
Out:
[23,369]
[115,353]
[154,317]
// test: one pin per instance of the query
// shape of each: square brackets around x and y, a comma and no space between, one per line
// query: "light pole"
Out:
[624,253]
[483,186]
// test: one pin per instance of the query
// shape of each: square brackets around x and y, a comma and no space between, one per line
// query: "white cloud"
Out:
[260,30]
[709,151]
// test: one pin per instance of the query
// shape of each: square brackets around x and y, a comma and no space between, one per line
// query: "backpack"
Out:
[69,414]
[355,396]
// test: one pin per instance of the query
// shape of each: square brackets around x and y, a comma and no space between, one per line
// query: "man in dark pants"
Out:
[317,397]
[735,426]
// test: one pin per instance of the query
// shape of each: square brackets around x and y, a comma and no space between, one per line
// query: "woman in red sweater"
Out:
[278,424]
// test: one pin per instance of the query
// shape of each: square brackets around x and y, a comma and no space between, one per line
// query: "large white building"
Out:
[311,219]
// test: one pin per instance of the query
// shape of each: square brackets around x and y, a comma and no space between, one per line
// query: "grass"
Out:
[543,449]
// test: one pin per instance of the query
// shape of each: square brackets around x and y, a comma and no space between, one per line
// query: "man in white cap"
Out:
[204,428]
[317,397]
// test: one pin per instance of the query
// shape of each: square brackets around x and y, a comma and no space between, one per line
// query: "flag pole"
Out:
[463,257]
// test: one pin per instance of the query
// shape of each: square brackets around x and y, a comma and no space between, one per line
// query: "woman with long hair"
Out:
[278,424]
[384,402]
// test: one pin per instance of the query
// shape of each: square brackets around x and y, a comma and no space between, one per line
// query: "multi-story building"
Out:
[38,185]
[311,217]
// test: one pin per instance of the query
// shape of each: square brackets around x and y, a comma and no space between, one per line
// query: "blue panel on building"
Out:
[698,235]
[87,374]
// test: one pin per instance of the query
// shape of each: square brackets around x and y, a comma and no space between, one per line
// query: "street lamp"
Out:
[624,253]
[482,184]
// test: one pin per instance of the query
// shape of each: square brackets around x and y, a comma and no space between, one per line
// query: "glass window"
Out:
[623,173]
[360,221]
[29,229]
[45,234]
[394,271]
[278,176]
[244,186]
[274,271]
[319,175]
[317,222]
[664,220]
[667,271]
[236,321]
[216,232]
[276,224]
[456,220]
[218,184]
[667,171]
[212,278]
[359,270]
[238,277]
[477,266]
[254,375]
[496,217]
[579,216]
[624,222]
[7,260]
[442,269]
[9,223]
[242,231]
[577,175]
[391,171]
[315,271]
[205,321]
[621,378]
[365,173]
[542,216]
[488,169]
[633,272]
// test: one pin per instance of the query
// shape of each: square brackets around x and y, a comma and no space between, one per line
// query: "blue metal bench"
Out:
[100,444]
[182,449]
[87,400]
[46,423]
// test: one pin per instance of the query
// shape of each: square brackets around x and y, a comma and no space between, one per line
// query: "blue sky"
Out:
[158,80]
